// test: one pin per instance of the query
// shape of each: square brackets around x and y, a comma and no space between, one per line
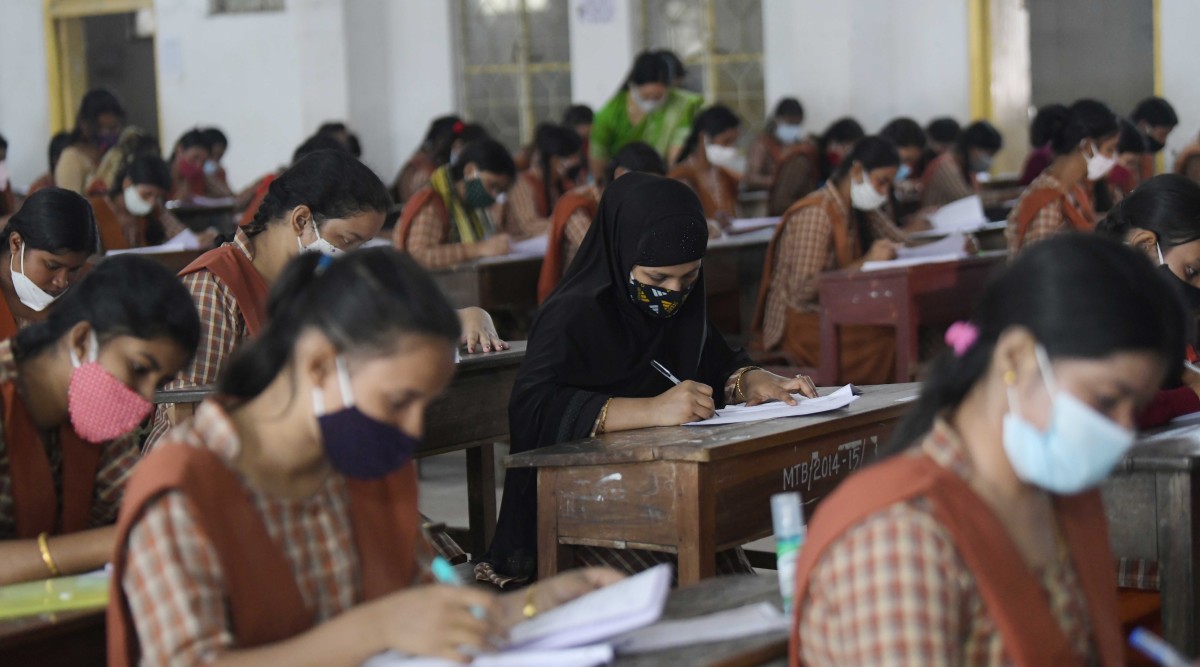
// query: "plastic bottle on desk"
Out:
[787,515]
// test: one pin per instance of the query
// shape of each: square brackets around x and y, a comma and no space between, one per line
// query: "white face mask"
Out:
[135,203]
[320,245]
[36,298]
[1098,165]
[864,196]
[647,106]
[723,156]
[211,167]
[789,134]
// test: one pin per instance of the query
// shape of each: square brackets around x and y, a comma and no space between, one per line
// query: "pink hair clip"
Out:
[961,336]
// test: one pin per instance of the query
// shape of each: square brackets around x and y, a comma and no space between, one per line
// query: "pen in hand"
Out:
[665,373]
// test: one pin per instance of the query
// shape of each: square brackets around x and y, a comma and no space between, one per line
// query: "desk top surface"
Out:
[1165,449]
[988,258]
[757,237]
[712,443]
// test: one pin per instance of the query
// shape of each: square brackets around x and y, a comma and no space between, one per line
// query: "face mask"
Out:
[1075,453]
[320,245]
[211,167]
[189,170]
[1098,165]
[722,156]
[1154,144]
[477,195]
[356,445]
[1121,177]
[656,301]
[981,164]
[106,141]
[789,134]
[1187,291]
[834,159]
[647,106]
[135,203]
[101,407]
[903,173]
[572,173]
[36,298]
[864,196]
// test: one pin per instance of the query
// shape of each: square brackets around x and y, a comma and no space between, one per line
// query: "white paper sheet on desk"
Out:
[600,615]
[1183,420]
[379,242]
[963,215]
[740,414]
[587,656]
[747,621]
[953,244]
[912,261]
[532,247]
[185,240]
[746,225]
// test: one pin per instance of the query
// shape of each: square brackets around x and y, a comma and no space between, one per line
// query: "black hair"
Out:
[191,139]
[1167,205]
[3,142]
[635,156]
[366,301]
[1131,140]
[712,121]
[55,220]
[577,114]
[58,144]
[471,133]
[674,63]
[1115,225]
[127,295]
[1155,112]
[1065,127]
[143,169]
[487,155]
[317,143]
[980,134]
[872,152]
[553,141]
[1058,288]
[214,137]
[1042,126]
[96,103]
[440,136]
[789,107]
[944,130]
[331,183]
[843,130]
[649,67]
[905,133]
[354,145]
[332,127]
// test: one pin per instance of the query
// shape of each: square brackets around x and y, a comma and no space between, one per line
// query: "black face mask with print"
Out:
[656,301]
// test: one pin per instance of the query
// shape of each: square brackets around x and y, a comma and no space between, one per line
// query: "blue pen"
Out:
[1157,649]
[444,572]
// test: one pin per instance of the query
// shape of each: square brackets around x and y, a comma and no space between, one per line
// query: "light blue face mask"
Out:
[903,173]
[1077,450]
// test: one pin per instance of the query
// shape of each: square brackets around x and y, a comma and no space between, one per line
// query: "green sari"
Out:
[664,128]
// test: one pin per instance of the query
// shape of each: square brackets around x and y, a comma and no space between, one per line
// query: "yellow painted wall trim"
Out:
[979,57]
[64,9]
[58,115]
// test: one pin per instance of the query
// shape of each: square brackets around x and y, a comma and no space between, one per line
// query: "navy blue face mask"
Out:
[359,446]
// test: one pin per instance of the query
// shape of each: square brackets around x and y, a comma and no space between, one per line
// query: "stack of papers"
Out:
[740,414]
[964,215]
[748,621]
[181,242]
[952,246]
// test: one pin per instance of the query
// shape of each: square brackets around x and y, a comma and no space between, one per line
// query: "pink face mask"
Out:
[101,407]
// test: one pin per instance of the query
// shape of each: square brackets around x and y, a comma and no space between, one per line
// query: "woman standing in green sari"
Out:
[648,108]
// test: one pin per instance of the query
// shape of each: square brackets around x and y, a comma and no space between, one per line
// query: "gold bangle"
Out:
[737,386]
[530,609]
[44,547]
[603,417]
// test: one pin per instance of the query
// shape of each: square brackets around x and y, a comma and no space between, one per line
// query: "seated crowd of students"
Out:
[982,522]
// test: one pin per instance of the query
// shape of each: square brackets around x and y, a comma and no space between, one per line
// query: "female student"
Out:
[954,175]
[433,152]
[837,227]
[132,214]
[802,172]
[97,126]
[187,166]
[46,245]
[72,386]
[580,117]
[58,143]
[1126,173]
[554,169]
[1155,118]
[783,134]
[448,222]
[708,162]
[1084,138]
[216,181]
[910,140]
[634,295]
[281,523]
[985,526]
[573,215]
[648,108]
[1039,138]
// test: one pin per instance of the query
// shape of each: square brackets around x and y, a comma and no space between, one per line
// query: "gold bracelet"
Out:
[737,387]
[44,547]
[603,417]
[530,609]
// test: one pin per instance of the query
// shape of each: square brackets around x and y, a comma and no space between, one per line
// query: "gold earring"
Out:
[1010,377]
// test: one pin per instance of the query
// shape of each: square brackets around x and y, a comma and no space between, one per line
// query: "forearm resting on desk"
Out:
[87,550]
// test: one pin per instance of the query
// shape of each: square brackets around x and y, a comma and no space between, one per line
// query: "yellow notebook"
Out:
[83,591]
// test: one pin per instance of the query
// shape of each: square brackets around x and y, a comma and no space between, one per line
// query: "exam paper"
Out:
[747,621]
[912,261]
[532,247]
[185,240]
[963,215]
[740,414]
[953,244]
[745,225]
[588,656]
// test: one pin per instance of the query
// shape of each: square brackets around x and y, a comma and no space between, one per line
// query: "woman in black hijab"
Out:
[633,295]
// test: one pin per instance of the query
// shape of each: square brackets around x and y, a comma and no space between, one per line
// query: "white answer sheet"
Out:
[587,656]
[740,414]
[747,621]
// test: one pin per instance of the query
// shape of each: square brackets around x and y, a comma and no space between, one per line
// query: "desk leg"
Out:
[828,371]
[907,355]
[552,556]
[1179,561]
[697,526]
[481,496]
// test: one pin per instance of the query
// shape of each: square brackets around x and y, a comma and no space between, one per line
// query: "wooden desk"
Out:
[904,298]
[471,416]
[708,597]
[174,261]
[1153,505]
[203,213]
[70,639]
[694,491]
[492,284]
[733,267]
